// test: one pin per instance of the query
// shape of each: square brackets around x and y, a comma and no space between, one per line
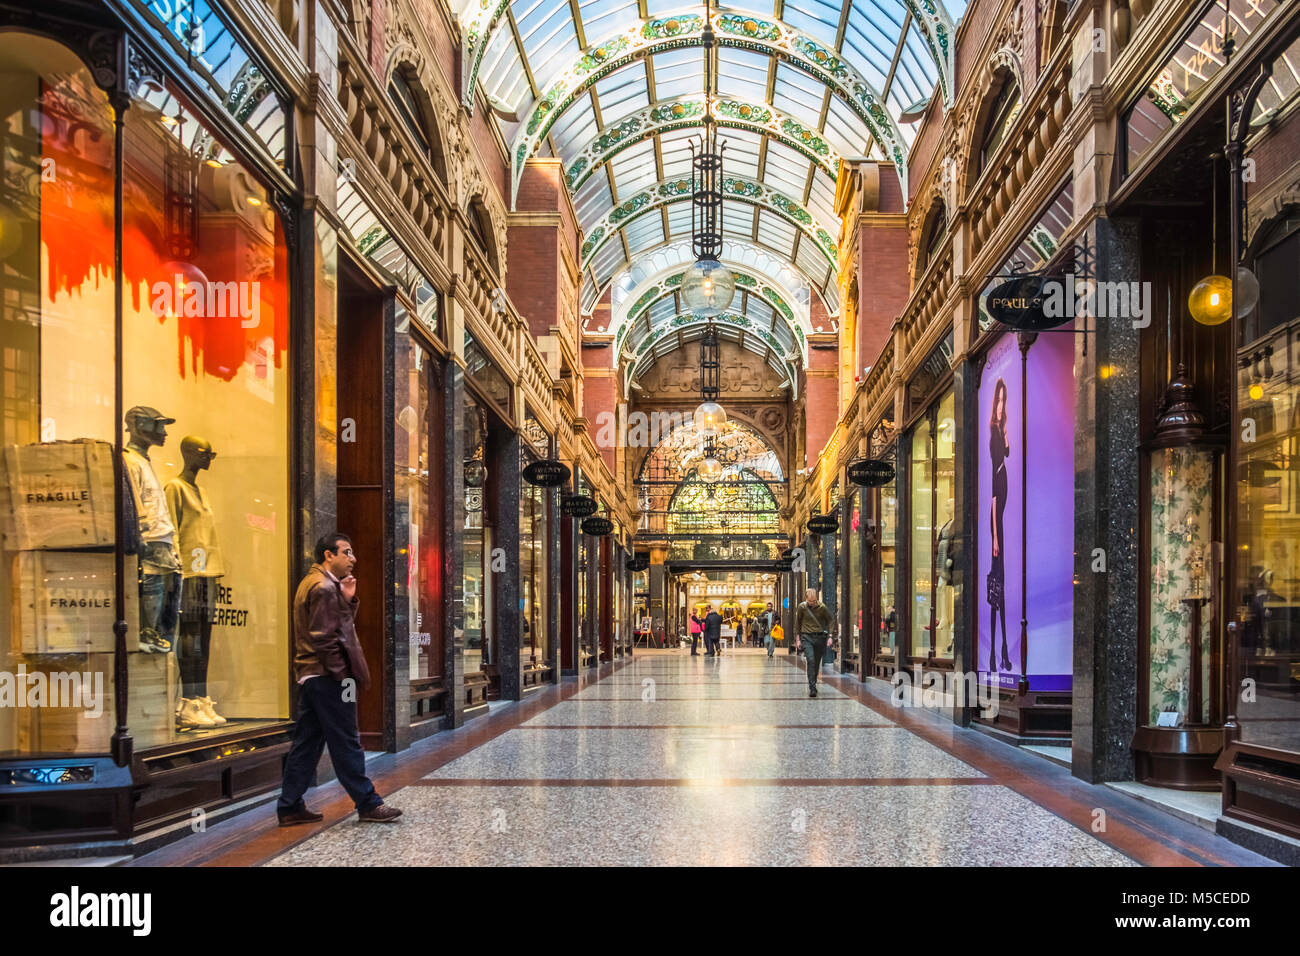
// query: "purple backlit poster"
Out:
[1045,555]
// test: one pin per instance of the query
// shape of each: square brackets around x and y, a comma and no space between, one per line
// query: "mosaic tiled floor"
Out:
[714,762]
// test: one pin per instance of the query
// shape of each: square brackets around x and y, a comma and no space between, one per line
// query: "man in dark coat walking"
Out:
[330,668]
[712,631]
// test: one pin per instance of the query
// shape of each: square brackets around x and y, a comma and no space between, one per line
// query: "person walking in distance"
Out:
[767,622]
[812,635]
[330,668]
[712,632]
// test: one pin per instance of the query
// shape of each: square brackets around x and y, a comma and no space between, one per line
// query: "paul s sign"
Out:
[1018,303]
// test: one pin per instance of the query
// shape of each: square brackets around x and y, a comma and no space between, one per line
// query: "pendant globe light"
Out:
[708,286]
[1210,301]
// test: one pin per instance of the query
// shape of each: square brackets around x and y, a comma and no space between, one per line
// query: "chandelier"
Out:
[708,286]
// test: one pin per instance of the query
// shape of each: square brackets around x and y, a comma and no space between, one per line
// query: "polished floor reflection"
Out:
[672,759]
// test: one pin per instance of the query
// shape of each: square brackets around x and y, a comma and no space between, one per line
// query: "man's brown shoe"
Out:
[294,817]
[380,814]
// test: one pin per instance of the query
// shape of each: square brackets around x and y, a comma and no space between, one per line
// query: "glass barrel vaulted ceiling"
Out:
[615,90]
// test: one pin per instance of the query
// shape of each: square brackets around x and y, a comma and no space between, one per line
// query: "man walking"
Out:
[812,629]
[712,632]
[766,622]
[330,668]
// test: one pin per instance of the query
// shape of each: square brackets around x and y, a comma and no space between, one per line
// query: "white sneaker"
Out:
[210,710]
[192,714]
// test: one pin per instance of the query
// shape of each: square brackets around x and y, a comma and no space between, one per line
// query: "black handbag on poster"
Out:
[994,585]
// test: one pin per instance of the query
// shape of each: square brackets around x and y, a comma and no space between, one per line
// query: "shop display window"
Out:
[1267,586]
[56,476]
[931,508]
[887,535]
[534,544]
[419,502]
[853,636]
[204,368]
[477,593]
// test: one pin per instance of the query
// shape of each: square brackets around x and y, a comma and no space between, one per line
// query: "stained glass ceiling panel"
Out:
[523,50]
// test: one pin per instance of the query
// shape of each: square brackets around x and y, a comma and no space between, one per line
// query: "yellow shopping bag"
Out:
[778,633]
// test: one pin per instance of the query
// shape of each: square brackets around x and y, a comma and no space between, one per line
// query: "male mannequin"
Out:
[201,568]
[159,561]
[944,559]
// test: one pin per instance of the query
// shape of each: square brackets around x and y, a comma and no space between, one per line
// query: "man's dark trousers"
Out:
[326,719]
[814,649]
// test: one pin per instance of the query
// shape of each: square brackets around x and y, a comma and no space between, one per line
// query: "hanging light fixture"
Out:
[708,286]
[1210,301]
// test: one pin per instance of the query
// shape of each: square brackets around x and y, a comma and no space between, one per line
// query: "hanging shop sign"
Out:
[578,506]
[823,524]
[1030,302]
[870,473]
[640,562]
[597,526]
[547,473]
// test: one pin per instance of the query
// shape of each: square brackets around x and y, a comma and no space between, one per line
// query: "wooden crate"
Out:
[63,601]
[59,495]
[150,709]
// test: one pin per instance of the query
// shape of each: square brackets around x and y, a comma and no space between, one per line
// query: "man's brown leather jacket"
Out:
[324,633]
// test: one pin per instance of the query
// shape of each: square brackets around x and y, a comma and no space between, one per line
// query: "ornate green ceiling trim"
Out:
[733,319]
[734,188]
[683,112]
[480,19]
[744,280]
[592,291]
[648,37]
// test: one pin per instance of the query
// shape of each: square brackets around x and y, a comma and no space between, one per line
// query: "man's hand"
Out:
[830,641]
[349,587]
[798,644]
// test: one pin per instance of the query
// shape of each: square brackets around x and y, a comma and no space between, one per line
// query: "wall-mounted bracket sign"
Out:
[787,554]
[870,473]
[823,524]
[639,563]
[547,473]
[578,506]
[597,526]
[1025,302]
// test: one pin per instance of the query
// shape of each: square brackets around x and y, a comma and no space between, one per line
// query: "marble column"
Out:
[1106,523]
[504,478]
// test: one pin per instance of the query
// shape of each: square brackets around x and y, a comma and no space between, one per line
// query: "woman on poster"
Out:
[999,450]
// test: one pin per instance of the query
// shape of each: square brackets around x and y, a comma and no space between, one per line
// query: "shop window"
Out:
[535,648]
[419,502]
[931,507]
[1266,592]
[56,471]
[206,387]
[887,534]
[205,381]
[477,592]
[853,588]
